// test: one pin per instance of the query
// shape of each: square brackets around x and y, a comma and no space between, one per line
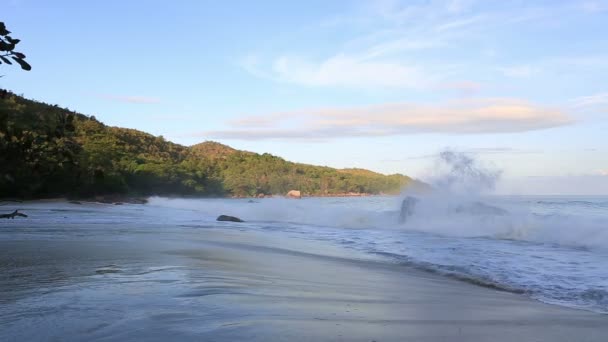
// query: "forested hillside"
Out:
[49,151]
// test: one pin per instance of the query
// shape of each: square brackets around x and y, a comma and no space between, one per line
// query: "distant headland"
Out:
[48,151]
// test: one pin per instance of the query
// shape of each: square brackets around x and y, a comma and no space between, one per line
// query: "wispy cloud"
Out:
[380,57]
[462,117]
[520,71]
[400,43]
[130,99]
[591,100]
[348,71]
[459,23]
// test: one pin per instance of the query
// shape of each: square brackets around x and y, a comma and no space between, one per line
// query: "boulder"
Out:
[294,194]
[229,218]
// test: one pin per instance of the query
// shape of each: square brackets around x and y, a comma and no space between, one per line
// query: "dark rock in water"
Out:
[229,218]
[407,208]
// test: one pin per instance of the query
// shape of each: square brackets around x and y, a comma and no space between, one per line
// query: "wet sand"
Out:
[212,285]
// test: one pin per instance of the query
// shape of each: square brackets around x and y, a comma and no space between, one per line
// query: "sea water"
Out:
[553,249]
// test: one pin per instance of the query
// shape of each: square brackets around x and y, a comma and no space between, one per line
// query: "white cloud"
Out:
[463,117]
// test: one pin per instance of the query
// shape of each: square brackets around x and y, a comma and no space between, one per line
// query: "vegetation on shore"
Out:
[48,151]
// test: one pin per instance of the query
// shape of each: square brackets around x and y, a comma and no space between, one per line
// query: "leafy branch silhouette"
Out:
[7,49]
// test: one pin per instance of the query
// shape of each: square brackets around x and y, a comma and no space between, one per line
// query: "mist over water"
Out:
[461,204]
[552,248]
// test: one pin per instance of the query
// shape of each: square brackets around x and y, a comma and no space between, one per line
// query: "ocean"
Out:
[552,249]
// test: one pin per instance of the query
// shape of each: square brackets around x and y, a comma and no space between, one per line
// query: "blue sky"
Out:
[382,85]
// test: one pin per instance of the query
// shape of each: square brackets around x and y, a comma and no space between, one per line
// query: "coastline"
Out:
[137,199]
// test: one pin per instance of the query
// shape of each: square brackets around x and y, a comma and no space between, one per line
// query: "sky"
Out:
[383,85]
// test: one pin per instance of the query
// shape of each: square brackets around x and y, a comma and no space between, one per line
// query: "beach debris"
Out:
[12,215]
[294,194]
[229,218]
[407,208]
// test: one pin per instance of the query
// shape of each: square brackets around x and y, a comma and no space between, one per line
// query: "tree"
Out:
[7,49]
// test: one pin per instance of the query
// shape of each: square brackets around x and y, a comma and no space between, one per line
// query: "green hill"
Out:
[49,151]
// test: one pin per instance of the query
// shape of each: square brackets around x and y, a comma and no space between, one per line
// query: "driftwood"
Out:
[12,215]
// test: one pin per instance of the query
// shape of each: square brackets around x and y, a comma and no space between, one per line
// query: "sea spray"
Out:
[458,173]
[551,249]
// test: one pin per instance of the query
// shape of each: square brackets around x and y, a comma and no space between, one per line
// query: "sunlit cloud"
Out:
[462,117]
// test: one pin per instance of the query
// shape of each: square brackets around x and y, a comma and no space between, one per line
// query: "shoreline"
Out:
[134,199]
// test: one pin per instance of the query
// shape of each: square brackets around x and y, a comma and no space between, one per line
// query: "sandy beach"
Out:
[212,285]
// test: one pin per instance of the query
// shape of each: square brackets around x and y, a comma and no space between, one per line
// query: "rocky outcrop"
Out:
[294,194]
[229,218]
